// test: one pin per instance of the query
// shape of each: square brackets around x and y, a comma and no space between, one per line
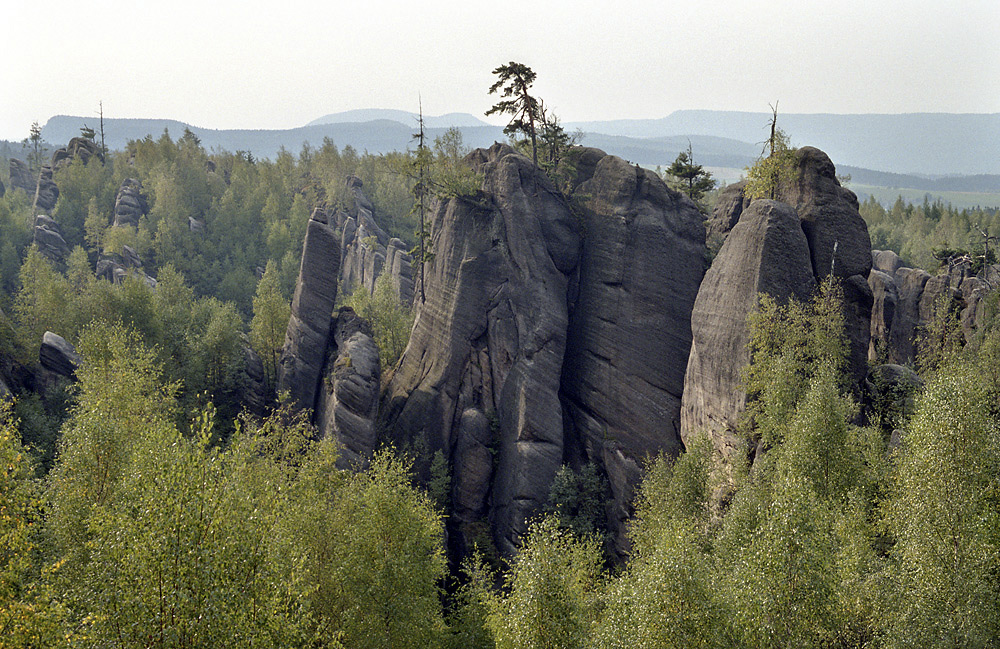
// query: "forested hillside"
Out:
[521,349]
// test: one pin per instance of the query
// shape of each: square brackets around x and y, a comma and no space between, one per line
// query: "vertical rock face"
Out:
[348,399]
[490,339]
[766,252]
[782,249]
[305,346]
[630,329]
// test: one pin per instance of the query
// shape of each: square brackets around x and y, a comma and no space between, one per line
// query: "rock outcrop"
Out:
[50,242]
[908,299]
[630,328]
[766,252]
[79,148]
[308,331]
[130,204]
[58,356]
[348,400]
[490,339]
[47,192]
[537,346]
[21,177]
[782,249]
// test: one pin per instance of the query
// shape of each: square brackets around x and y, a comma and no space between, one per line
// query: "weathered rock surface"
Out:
[305,346]
[47,192]
[492,334]
[79,148]
[348,401]
[399,265]
[897,328]
[57,355]
[21,177]
[630,329]
[50,242]
[254,393]
[130,204]
[766,252]
[726,214]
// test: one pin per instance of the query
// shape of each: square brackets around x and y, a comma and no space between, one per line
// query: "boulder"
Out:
[766,252]
[492,333]
[348,401]
[642,262]
[308,330]
[58,356]
[886,261]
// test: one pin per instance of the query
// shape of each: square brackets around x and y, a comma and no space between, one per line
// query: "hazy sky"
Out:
[282,63]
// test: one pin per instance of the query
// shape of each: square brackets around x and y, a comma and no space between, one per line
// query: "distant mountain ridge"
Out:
[921,151]
[404,117]
[936,144]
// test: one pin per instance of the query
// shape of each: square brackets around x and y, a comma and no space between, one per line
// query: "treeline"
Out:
[924,234]
[251,210]
[145,533]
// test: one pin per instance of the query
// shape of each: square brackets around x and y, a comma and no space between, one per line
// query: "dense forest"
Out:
[142,506]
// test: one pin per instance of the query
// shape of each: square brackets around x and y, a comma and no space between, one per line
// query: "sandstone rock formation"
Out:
[21,177]
[57,355]
[766,252]
[330,363]
[630,327]
[130,204]
[907,300]
[304,351]
[491,336]
[348,400]
[782,249]
[50,242]
[78,148]
[47,192]
[537,346]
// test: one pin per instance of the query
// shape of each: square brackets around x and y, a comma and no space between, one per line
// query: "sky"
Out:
[280,64]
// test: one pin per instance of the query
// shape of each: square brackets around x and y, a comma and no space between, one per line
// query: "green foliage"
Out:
[515,80]
[271,312]
[944,516]
[373,557]
[788,345]
[688,177]
[920,233]
[766,177]
[550,595]
[665,597]
[391,321]
[942,338]
[577,500]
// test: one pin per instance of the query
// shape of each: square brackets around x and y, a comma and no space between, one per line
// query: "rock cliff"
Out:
[782,249]
[550,334]
[329,364]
